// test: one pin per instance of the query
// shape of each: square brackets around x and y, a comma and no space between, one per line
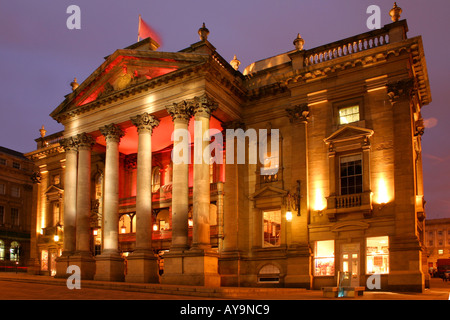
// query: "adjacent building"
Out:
[15,209]
[330,178]
[437,241]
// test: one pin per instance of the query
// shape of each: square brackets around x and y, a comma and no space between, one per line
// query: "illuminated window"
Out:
[2,250]
[272,227]
[351,174]
[324,258]
[440,251]
[14,251]
[377,254]
[44,260]
[349,114]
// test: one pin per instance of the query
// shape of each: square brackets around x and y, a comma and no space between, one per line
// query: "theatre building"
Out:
[330,181]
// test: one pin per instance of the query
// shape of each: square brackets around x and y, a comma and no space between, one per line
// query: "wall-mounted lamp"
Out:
[155,227]
[293,202]
[190,222]
[95,232]
[56,238]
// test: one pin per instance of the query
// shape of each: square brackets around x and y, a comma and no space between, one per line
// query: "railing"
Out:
[348,201]
[347,46]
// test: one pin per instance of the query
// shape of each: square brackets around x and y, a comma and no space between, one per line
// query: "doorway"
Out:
[350,262]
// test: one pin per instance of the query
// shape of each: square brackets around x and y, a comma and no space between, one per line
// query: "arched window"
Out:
[156,179]
[269,273]
[126,223]
[2,250]
[14,251]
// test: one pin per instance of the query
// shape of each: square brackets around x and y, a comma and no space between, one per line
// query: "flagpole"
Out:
[139,28]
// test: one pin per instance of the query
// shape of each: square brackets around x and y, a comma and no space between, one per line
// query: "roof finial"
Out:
[235,63]
[299,42]
[74,84]
[203,32]
[42,131]
[395,12]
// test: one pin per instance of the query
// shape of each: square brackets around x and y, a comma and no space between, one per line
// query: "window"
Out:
[44,260]
[2,188]
[16,165]
[3,161]
[272,228]
[269,274]
[351,174]
[56,211]
[349,115]
[2,250]
[15,191]
[56,179]
[14,251]
[156,179]
[324,258]
[2,215]
[14,216]
[377,254]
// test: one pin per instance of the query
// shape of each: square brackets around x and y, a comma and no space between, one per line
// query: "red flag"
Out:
[145,31]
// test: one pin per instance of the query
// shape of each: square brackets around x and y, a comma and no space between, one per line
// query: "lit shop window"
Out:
[272,227]
[349,115]
[324,258]
[44,260]
[377,253]
[2,250]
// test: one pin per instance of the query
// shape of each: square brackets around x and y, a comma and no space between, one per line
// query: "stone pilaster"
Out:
[110,265]
[142,263]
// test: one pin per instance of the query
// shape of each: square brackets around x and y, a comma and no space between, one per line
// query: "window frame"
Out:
[342,104]
[339,177]
[317,257]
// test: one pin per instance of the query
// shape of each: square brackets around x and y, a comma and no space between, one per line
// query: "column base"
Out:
[406,281]
[62,263]
[142,267]
[86,262]
[194,268]
[109,267]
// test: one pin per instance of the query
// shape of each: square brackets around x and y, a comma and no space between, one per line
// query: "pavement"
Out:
[21,286]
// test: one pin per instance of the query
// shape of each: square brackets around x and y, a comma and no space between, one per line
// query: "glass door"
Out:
[350,262]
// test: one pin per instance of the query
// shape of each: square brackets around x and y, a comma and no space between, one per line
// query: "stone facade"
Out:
[343,192]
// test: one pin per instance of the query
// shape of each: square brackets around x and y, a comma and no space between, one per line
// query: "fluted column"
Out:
[70,195]
[180,113]
[70,146]
[109,264]
[85,143]
[202,110]
[142,263]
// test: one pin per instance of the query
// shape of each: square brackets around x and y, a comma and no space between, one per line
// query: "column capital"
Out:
[85,140]
[69,144]
[112,132]
[180,110]
[145,122]
[204,106]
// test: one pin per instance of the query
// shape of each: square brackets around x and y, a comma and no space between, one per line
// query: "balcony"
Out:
[359,202]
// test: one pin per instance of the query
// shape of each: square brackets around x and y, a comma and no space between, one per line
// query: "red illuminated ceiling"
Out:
[161,137]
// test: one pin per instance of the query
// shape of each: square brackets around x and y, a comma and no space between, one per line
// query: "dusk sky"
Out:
[40,56]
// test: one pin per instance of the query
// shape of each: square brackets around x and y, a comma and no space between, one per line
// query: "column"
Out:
[142,263]
[70,146]
[110,265]
[180,113]
[201,191]
[83,256]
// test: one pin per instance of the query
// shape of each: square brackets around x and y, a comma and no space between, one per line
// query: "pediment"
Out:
[124,69]
[268,192]
[348,133]
[53,189]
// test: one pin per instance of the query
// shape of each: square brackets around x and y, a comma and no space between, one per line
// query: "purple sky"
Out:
[39,56]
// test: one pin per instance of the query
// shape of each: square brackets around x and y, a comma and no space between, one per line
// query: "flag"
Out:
[145,31]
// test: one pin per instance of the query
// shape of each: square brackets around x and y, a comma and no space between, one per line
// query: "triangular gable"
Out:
[53,189]
[124,69]
[268,192]
[348,133]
